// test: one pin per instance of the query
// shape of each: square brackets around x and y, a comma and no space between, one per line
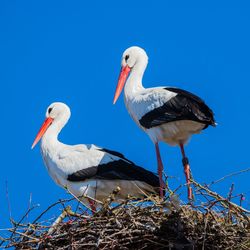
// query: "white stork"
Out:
[88,170]
[166,114]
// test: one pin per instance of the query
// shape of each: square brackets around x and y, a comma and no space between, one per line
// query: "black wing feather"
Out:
[115,153]
[116,170]
[82,174]
[122,170]
[184,106]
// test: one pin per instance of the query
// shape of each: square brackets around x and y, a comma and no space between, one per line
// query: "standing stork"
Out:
[88,170]
[167,114]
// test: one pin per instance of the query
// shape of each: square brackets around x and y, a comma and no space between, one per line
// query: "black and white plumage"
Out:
[166,114]
[183,106]
[88,170]
[118,168]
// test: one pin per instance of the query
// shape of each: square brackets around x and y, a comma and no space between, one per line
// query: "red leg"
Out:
[186,171]
[92,205]
[160,168]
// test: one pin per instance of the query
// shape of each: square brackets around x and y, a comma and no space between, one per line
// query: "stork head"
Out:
[131,57]
[57,114]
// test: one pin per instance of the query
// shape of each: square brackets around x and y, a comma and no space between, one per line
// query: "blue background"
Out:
[70,51]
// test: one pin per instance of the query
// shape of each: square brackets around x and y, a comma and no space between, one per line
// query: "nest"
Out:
[151,223]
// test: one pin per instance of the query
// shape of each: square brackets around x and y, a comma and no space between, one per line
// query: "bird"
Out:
[87,170]
[167,114]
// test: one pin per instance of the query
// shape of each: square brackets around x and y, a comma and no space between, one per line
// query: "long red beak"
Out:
[42,130]
[122,79]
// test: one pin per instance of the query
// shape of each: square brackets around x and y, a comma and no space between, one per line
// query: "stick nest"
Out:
[151,223]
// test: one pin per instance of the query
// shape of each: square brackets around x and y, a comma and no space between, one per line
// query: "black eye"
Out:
[49,110]
[126,57]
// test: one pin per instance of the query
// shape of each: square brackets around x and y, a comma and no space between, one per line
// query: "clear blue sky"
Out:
[70,51]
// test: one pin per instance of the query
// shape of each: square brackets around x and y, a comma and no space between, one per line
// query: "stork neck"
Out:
[134,82]
[50,138]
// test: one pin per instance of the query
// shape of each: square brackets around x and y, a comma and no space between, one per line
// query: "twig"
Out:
[20,221]
[78,199]
[230,192]
[242,198]
[59,220]
[24,235]
[49,207]
[223,200]
[229,199]
[8,200]
[110,199]
[229,175]
[29,204]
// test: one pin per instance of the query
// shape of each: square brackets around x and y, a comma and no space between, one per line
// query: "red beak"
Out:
[122,79]
[42,130]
